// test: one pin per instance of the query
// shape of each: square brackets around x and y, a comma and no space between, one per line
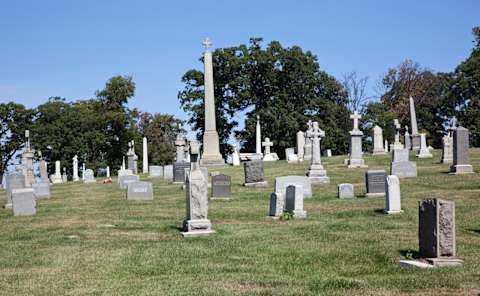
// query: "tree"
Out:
[161,131]
[14,120]
[356,91]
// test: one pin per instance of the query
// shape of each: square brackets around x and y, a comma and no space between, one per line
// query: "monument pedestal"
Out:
[211,153]
[416,142]
[200,227]
[317,174]
[460,169]
[356,163]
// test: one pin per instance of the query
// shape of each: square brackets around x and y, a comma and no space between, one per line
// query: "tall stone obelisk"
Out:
[258,137]
[145,156]
[413,121]
[211,146]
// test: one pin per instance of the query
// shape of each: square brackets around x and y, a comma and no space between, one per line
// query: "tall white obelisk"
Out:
[145,156]
[211,146]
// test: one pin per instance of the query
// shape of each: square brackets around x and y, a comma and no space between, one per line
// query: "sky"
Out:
[71,48]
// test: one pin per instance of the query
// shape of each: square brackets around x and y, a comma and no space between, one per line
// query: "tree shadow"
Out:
[409,254]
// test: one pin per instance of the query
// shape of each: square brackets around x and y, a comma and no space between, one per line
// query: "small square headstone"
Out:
[179,171]
[140,191]
[88,176]
[345,190]
[23,202]
[221,186]
[126,179]
[254,173]
[375,181]
[168,172]
[41,190]
[155,171]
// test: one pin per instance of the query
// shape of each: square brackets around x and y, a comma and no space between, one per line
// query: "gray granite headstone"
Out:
[400,155]
[139,191]
[179,171]
[401,166]
[345,190]
[281,184]
[126,179]
[155,171]
[294,201]
[168,172]
[88,176]
[277,202]
[436,229]
[41,190]
[253,172]
[23,202]
[461,155]
[375,181]
[13,181]
[221,186]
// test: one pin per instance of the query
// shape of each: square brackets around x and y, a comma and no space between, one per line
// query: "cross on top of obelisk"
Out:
[206,43]
[355,116]
[267,143]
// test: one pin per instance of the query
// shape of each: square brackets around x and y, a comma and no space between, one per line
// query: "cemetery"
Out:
[280,179]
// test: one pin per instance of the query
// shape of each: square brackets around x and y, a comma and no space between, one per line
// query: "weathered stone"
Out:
[377,140]
[400,155]
[145,156]
[316,173]
[356,154]
[461,155]
[88,176]
[43,171]
[423,152]
[155,171]
[392,198]
[23,202]
[75,177]
[307,155]
[235,156]
[57,177]
[139,191]
[221,186]
[375,181]
[281,184]
[41,190]
[290,155]
[277,203]
[447,149]
[254,173]
[179,171]
[436,231]
[406,169]
[345,190]
[12,182]
[268,155]
[126,179]
[300,145]
[294,201]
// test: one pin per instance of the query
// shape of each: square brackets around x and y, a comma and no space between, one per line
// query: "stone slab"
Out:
[346,191]
[155,171]
[139,191]
[124,180]
[41,190]
[282,182]
[405,169]
[375,182]
[221,186]
[23,202]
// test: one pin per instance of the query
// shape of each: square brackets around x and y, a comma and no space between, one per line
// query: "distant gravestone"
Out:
[155,171]
[139,191]
[345,190]
[88,176]
[401,166]
[23,202]
[254,173]
[290,155]
[126,179]
[447,149]
[12,182]
[461,156]
[41,190]
[277,202]
[392,197]
[179,171]
[221,186]
[281,184]
[168,172]
[294,201]
[375,181]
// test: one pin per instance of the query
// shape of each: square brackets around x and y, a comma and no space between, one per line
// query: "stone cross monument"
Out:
[397,144]
[211,145]
[356,153]
[316,172]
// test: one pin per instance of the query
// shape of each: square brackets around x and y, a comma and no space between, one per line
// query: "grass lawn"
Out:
[88,240]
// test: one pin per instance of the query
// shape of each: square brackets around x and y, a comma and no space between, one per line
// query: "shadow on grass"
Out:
[409,254]
[379,211]
[175,227]
[477,231]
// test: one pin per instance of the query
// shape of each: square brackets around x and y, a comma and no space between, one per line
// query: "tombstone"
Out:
[221,186]
[75,177]
[268,156]
[407,140]
[84,168]
[294,201]
[43,171]
[254,174]
[27,162]
[145,156]
[64,175]
[290,155]
[328,153]
[155,171]
[121,173]
[179,172]
[168,172]
[436,232]
[447,149]
[204,171]
[423,152]
[375,181]
[12,182]
[397,144]
[281,183]
[316,172]
[89,176]
[258,137]
[139,190]
[356,153]
[41,190]
[413,120]
[277,202]
[127,179]
[401,166]
[300,145]
[108,171]
[461,156]
[132,158]
[378,140]
[57,177]
[392,196]
[235,156]
[23,202]
[345,191]
[386,146]
[307,155]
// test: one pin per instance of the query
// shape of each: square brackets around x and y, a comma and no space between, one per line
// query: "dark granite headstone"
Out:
[179,171]
[253,171]
[221,186]
[375,181]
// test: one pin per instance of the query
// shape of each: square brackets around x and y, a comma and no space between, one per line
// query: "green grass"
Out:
[344,247]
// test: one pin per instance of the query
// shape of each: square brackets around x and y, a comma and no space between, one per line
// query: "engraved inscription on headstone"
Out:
[221,186]
[375,181]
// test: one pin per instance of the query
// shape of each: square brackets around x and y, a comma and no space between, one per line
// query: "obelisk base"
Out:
[211,150]
[317,174]
[415,142]
[460,169]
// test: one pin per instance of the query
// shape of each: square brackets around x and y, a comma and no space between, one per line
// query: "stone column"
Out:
[316,172]
[378,141]
[413,122]
[308,142]
[461,155]
[211,145]
[180,148]
[75,168]
[447,149]
[258,137]
[108,172]
[145,156]
[57,177]
[83,171]
[300,145]
[392,197]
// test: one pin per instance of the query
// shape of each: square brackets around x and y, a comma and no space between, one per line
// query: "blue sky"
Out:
[70,48]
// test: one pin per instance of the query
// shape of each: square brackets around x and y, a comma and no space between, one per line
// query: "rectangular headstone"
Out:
[436,228]
[13,181]
[345,190]
[405,169]
[294,201]
[461,155]
[253,172]
[139,191]
[281,184]
[23,202]
[375,181]
[168,172]
[88,176]
[277,202]
[221,186]
[41,190]
[179,171]
[392,197]
[400,155]
[155,171]
[126,179]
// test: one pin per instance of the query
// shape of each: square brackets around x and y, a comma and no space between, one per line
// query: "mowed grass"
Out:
[89,240]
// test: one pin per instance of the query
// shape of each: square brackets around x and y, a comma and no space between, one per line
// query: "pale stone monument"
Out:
[290,155]
[64,175]
[345,191]
[294,201]
[124,180]
[180,144]
[378,141]
[300,145]
[397,144]
[461,156]
[42,166]
[89,176]
[196,222]
[392,198]
[356,153]
[139,191]
[211,145]
[407,139]
[401,166]
[41,190]
[57,177]
[108,171]
[447,149]
[268,156]
[27,161]
[386,146]
[155,171]
[145,156]
[75,177]
[168,172]
[281,183]
[423,152]
[132,157]
[277,204]
[23,202]
[316,172]
[413,121]
[235,156]
[12,182]
[258,137]
[308,142]
[84,168]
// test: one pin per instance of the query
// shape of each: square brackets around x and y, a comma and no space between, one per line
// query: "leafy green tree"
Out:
[14,120]
[161,131]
